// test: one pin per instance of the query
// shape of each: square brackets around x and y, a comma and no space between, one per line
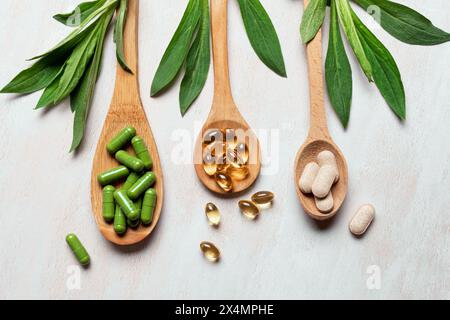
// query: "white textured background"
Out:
[403,169]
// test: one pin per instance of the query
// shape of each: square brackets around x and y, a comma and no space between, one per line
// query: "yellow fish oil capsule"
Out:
[213,214]
[231,137]
[233,158]
[224,181]
[249,209]
[209,165]
[212,135]
[263,198]
[238,173]
[242,152]
[222,164]
[210,251]
[216,149]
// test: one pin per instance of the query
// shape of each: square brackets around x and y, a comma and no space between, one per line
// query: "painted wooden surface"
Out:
[402,169]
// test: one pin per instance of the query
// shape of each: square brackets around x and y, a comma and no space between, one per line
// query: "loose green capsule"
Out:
[142,153]
[113,175]
[148,206]
[120,221]
[144,182]
[126,204]
[108,203]
[129,161]
[131,180]
[121,139]
[78,249]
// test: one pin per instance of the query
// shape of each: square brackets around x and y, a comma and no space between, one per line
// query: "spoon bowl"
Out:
[126,110]
[254,164]
[308,153]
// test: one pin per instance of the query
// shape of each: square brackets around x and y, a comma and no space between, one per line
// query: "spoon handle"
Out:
[126,92]
[318,118]
[222,88]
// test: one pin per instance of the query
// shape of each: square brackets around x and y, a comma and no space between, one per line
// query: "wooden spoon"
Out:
[126,109]
[224,113]
[319,138]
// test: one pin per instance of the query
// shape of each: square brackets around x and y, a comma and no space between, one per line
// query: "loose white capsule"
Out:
[325,205]
[308,176]
[324,181]
[327,158]
[362,219]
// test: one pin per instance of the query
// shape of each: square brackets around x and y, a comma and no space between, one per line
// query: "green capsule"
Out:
[148,206]
[144,182]
[120,221]
[132,178]
[133,224]
[108,203]
[138,205]
[121,139]
[78,249]
[129,161]
[142,153]
[113,175]
[126,204]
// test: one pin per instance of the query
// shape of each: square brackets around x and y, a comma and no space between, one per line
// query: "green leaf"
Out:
[73,70]
[338,72]
[81,97]
[262,35]
[197,63]
[49,93]
[178,48]
[79,14]
[65,46]
[404,23]
[35,78]
[312,19]
[345,17]
[385,71]
[118,34]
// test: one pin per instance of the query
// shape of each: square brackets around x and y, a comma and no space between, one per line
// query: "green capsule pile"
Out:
[134,202]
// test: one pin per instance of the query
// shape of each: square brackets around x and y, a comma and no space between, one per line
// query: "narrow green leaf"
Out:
[65,46]
[312,19]
[178,48]
[49,93]
[338,72]
[35,78]
[81,97]
[345,17]
[118,34]
[197,63]
[79,14]
[404,23]
[73,70]
[385,71]
[77,64]
[262,35]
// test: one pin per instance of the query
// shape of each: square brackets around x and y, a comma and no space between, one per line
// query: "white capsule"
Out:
[325,205]
[362,219]
[327,157]
[308,175]
[324,181]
